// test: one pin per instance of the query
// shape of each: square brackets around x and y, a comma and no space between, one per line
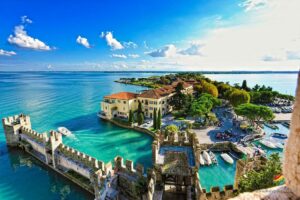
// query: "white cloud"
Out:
[166,51]
[119,56]
[7,53]
[83,41]
[193,50]
[26,20]
[22,39]
[133,55]
[49,66]
[111,41]
[130,45]
[249,5]
[267,39]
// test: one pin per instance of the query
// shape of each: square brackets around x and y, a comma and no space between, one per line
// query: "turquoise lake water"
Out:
[72,99]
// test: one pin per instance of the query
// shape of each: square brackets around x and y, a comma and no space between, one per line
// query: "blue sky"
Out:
[149,35]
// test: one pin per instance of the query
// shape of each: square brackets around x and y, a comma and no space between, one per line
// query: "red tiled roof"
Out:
[185,84]
[122,95]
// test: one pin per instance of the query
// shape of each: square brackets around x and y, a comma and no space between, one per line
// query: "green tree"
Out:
[140,118]
[158,124]
[223,88]
[140,109]
[130,118]
[263,178]
[244,86]
[202,106]
[179,98]
[171,129]
[154,119]
[254,112]
[210,88]
[237,97]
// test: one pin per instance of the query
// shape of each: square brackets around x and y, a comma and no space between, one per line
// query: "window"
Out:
[151,108]
[119,101]
[123,108]
[124,102]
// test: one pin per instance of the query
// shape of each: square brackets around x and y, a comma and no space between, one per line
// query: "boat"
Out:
[64,131]
[279,145]
[207,157]
[227,158]
[279,135]
[268,144]
[272,126]
[201,160]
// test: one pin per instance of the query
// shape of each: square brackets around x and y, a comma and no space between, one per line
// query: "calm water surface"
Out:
[72,100]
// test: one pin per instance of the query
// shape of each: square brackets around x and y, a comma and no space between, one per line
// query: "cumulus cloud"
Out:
[119,56]
[111,41]
[20,38]
[133,55]
[83,41]
[249,5]
[26,20]
[130,45]
[193,50]
[7,53]
[166,51]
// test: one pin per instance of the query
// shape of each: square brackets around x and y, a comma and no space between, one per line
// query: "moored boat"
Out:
[227,158]
[201,160]
[272,126]
[279,145]
[207,157]
[64,131]
[279,135]
[268,144]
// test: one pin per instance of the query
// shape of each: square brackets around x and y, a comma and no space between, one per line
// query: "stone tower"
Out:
[55,141]
[12,126]
[291,165]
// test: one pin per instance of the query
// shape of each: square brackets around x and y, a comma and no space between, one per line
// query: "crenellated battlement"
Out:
[78,156]
[20,119]
[128,167]
[40,137]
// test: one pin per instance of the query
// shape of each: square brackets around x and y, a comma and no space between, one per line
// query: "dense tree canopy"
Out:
[203,105]
[264,178]
[254,112]
[223,88]
[171,129]
[237,97]
[210,88]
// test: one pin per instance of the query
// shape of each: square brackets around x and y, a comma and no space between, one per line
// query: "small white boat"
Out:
[279,145]
[201,160]
[268,144]
[227,158]
[207,157]
[64,131]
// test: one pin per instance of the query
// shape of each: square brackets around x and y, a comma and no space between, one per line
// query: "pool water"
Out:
[187,150]
[217,175]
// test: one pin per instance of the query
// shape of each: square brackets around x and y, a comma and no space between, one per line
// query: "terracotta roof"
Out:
[185,84]
[163,91]
[122,95]
[158,93]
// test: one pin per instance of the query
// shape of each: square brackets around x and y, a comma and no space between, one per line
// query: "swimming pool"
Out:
[187,150]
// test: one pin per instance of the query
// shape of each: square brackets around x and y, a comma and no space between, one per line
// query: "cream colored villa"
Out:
[120,104]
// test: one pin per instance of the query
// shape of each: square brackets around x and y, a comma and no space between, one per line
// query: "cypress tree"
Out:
[130,118]
[140,118]
[154,119]
[158,124]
